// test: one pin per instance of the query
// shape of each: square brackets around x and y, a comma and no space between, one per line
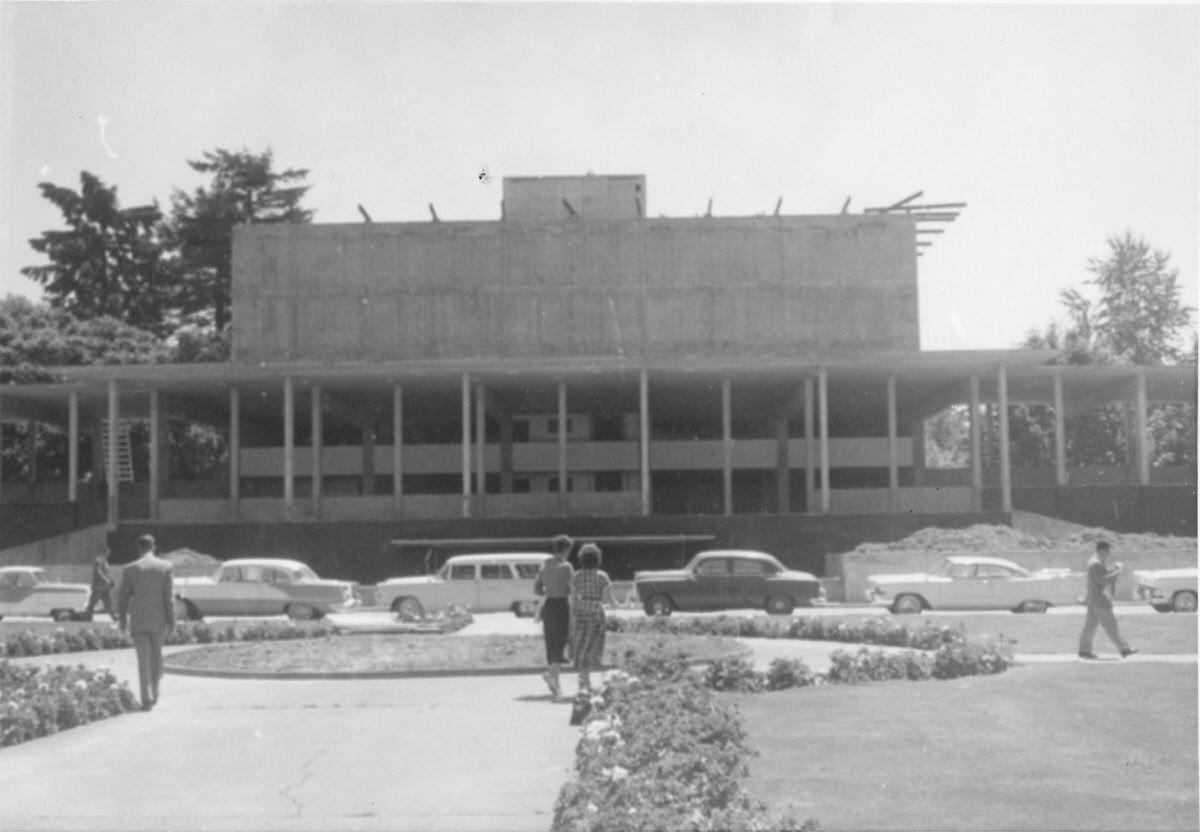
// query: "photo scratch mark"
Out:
[102,120]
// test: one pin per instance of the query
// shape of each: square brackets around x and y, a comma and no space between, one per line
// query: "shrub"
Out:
[37,701]
[973,658]
[31,643]
[661,754]
[790,673]
[877,666]
[736,674]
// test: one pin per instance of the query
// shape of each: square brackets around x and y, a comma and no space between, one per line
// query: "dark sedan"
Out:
[727,579]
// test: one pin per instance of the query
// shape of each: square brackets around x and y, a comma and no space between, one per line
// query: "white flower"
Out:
[618,773]
[592,808]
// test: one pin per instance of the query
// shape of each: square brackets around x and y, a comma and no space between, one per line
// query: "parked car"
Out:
[27,590]
[262,586]
[1168,590]
[969,582]
[723,579]
[481,583]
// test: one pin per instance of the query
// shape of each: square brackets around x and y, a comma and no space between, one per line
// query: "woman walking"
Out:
[591,589]
[554,582]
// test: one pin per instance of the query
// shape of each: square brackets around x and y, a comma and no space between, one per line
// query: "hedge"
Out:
[37,701]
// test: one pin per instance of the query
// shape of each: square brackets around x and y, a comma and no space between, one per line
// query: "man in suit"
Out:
[146,609]
[1101,586]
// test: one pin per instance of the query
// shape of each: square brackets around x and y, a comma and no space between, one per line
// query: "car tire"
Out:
[524,609]
[408,607]
[1183,601]
[908,604]
[1033,606]
[659,606]
[780,605]
[62,615]
[301,612]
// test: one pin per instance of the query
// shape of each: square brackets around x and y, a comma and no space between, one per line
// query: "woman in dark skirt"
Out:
[590,591]
[554,582]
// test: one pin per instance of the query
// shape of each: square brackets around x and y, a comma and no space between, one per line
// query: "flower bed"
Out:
[31,643]
[37,701]
[660,751]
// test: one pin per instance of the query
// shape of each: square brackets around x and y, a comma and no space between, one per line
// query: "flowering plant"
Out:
[36,701]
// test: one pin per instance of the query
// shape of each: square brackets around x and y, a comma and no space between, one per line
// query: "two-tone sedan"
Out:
[969,582]
[27,590]
[263,586]
[1168,590]
[727,579]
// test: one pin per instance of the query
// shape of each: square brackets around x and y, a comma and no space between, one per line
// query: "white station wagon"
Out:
[481,583]
[27,590]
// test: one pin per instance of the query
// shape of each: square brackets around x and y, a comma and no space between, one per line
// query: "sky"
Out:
[1058,125]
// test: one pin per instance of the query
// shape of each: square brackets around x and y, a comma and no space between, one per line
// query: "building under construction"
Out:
[662,384]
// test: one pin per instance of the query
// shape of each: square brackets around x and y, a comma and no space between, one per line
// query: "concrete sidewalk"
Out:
[219,754]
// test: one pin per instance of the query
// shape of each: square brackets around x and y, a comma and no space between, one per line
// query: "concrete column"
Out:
[466,444]
[506,452]
[823,402]
[1060,433]
[72,447]
[31,452]
[976,449]
[480,441]
[289,446]
[317,421]
[398,450]
[810,453]
[1143,429]
[644,421]
[563,499]
[368,456]
[235,450]
[893,450]
[156,454]
[727,443]
[111,463]
[783,485]
[1005,469]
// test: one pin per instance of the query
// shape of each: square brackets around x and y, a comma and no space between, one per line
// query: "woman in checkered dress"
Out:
[590,591]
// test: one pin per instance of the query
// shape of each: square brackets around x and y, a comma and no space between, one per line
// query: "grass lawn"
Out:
[1071,746]
[419,653]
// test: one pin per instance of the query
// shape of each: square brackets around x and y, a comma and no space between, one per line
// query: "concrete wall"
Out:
[662,288]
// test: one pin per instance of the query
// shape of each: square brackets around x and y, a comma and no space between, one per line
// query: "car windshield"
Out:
[305,573]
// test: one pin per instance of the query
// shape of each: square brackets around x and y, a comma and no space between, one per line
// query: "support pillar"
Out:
[976,448]
[480,441]
[398,450]
[1060,433]
[563,499]
[810,453]
[727,444]
[1143,430]
[72,447]
[823,414]
[644,436]
[783,485]
[235,450]
[317,421]
[893,451]
[466,444]
[289,447]
[1005,462]
[156,454]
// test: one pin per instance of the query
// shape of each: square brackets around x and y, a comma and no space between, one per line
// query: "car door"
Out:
[461,587]
[231,594]
[748,583]
[1000,586]
[496,582]
[708,588]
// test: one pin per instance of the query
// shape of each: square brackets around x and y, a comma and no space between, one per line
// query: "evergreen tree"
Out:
[245,189]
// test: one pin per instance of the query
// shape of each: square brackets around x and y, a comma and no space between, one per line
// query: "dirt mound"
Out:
[190,557]
[985,538]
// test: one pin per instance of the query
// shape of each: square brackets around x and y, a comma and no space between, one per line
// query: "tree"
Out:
[244,190]
[109,262]
[1138,317]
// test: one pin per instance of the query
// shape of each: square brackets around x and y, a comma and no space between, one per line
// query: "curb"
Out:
[344,675]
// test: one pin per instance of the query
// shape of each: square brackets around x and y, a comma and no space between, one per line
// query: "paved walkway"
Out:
[431,754]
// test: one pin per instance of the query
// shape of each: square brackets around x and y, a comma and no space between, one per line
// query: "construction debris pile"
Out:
[985,538]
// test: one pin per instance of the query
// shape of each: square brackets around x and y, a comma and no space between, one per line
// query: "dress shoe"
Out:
[1128,651]
[1084,655]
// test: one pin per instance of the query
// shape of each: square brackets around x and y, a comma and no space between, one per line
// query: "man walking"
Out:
[1101,586]
[102,584]
[146,609]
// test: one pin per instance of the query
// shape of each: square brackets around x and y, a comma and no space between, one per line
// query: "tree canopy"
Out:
[109,262]
[245,189]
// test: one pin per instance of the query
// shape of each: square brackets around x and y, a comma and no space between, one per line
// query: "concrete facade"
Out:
[651,289]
